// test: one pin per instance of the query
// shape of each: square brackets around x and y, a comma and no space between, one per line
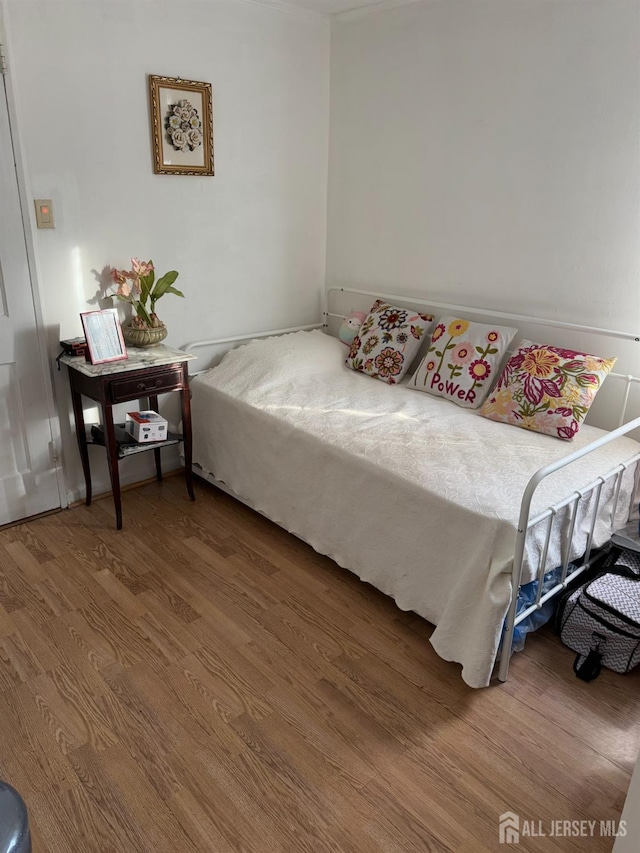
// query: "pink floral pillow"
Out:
[387,341]
[547,389]
[462,361]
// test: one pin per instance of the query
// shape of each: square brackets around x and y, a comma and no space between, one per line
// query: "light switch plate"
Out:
[44,212]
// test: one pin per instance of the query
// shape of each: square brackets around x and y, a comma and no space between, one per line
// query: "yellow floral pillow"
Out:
[547,389]
[462,361]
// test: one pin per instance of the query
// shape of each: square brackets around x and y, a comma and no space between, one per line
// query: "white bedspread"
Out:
[410,492]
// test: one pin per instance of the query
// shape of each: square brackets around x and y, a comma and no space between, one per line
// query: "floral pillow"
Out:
[387,341]
[547,389]
[462,361]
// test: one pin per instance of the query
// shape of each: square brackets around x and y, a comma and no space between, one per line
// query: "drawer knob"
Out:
[143,386]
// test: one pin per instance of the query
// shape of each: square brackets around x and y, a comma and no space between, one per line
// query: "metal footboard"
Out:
[527,524]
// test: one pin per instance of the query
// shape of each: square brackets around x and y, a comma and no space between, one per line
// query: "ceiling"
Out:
[334,7]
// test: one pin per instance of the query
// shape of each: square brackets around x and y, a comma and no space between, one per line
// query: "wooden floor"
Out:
[202,681]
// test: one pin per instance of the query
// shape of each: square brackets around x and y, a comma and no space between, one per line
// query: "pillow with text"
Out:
[462,361]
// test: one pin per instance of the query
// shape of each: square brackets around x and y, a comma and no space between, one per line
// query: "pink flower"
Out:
[567,432]
[463,353]
[141,268]
[122,279]
[534,389]
[124,288]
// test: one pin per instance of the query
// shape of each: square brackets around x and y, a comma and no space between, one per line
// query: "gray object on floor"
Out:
[14,822]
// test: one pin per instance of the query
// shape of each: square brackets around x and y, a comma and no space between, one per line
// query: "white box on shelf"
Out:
[146,426]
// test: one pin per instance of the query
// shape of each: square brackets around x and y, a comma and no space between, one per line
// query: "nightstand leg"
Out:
[185,396]
[112,459]
[78,413]
[153,405]
[156,454]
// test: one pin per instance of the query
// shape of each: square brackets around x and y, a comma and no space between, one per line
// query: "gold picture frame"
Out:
[181,126]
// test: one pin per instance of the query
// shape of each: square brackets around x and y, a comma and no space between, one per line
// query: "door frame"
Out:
[24,195]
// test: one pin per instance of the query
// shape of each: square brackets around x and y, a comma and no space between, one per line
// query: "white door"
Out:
[28,480]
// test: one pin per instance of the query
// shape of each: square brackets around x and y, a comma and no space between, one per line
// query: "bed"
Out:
[447,512]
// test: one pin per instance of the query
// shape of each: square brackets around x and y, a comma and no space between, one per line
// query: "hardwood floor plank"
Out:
[242,684]
[109,801]
[139,732]
[32,568]
[203,681]
[27,536]
[34,643]
[162,831]
[165,593]
[10,598]
[30,755]
[210,818]
[19,660]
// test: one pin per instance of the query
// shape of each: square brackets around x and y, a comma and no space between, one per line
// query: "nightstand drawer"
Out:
[141,386]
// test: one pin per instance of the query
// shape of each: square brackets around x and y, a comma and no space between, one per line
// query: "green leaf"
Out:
[163,284]
[174,291]
[587,380]
[141,311]
[146,283]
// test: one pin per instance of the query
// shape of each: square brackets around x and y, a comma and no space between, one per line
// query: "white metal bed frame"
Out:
[569,572]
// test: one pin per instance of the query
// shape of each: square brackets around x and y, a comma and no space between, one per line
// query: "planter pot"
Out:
[143,337]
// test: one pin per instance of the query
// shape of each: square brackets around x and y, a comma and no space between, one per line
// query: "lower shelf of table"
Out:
[126,444]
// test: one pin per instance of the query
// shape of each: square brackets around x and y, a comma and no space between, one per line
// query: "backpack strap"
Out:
[623,572]
[590,666]
[587,667]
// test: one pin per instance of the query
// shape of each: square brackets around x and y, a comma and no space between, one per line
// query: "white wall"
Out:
[487,152]
[249,243]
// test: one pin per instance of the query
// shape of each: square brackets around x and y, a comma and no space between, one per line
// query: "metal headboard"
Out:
[627,379]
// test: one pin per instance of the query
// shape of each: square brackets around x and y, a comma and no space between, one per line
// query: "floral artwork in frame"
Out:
[181,126]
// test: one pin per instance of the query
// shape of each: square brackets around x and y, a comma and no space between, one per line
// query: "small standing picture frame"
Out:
[103,332]
[181,126]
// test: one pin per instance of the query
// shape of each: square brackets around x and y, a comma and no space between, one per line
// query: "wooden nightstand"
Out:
[145,374]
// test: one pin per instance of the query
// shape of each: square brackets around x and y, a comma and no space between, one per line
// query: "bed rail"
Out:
[480,312]
[238,339]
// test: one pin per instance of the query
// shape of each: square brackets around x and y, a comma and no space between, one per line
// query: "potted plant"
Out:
[140,288]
